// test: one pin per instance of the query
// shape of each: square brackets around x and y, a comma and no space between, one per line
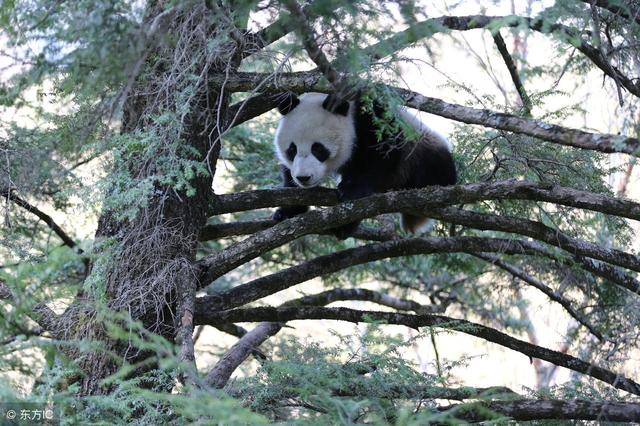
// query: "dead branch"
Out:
[219,375]
[416,321]
[48,220]
[532,409]
[549,292]
[513,72]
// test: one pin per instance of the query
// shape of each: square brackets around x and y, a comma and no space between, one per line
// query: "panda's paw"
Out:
[345,231]
[284,213]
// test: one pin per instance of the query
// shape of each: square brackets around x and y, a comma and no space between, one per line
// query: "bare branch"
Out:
[407,202]
[48,220]
[223,230]
[219,375]
[511,189]
[537,230]
[270,284]
[532,409]
[550,293]
[417,321]
[513,72]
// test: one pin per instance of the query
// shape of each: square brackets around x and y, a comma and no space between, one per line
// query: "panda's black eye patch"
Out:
[291,151]
[320,152]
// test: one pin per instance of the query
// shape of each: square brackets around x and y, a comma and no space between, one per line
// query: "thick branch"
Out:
[511,189]
[532,409]
[411,201]
[513,72]
[223,230]
[219,375]
[549,292]
[537,230]
[416,321]
[602,142]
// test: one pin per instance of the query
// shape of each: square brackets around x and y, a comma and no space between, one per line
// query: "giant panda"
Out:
[316,138]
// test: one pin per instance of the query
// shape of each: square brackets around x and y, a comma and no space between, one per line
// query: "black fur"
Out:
[392,163]
[287,102]
[334,105]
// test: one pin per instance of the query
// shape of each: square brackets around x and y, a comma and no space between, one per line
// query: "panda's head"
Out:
[312,141]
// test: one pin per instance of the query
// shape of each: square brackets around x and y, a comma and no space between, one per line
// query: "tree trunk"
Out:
[155,250]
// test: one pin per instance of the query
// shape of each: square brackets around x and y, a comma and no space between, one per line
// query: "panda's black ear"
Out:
[287,102]
[333,104]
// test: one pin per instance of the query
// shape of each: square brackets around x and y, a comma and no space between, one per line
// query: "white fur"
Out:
[308,123]
[431,135]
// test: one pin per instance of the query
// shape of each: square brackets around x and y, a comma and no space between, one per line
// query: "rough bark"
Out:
[155,250]
[531,409]
[602,142]
[270,284]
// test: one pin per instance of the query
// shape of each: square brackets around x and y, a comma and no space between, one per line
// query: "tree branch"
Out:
[537,230]
[550,293]
[270,284]
[428,27]
[510,189]
[48,220]
[513,72]
[601,142]
[223,230]
[416,321]
[313,49]
[219,375]
[532,409]
[410,201]
[627,11]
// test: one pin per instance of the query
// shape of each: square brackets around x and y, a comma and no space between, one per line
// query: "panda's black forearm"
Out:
[352,189]
[283,213]
[287,179]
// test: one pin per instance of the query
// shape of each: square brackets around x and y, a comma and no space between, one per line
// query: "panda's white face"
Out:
[313,142]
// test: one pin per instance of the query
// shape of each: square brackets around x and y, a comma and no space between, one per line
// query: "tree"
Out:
[134,106]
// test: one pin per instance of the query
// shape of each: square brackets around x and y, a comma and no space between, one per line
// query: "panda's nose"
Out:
[303,179]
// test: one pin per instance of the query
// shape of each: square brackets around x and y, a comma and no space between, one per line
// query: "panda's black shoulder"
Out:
[371,154]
